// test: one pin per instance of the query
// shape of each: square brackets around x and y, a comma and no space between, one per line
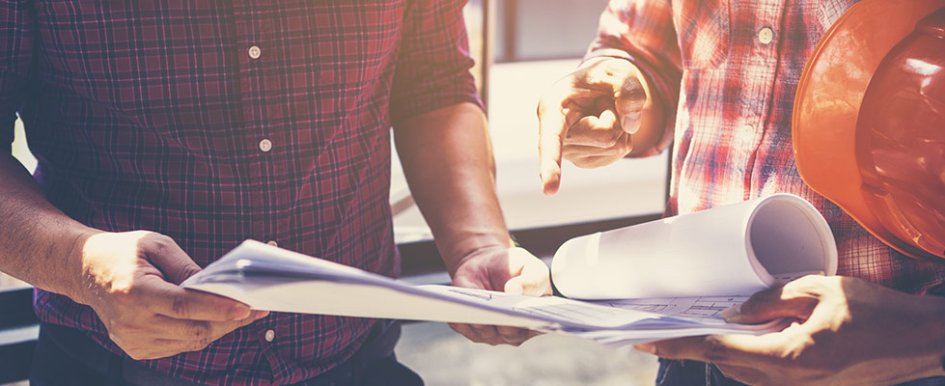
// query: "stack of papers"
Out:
[270,278]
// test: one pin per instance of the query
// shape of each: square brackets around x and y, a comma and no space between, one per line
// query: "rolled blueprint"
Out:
[729,250]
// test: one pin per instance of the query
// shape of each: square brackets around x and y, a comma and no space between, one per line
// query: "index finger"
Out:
[552,128]
[175,302]
[555,117]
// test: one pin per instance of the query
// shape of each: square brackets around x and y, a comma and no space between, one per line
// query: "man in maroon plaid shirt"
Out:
[168,132]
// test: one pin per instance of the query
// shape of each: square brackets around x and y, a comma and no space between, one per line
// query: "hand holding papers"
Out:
[670,304]
[697,264]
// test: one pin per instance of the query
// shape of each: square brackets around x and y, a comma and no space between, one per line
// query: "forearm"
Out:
[447,159]
[40,243]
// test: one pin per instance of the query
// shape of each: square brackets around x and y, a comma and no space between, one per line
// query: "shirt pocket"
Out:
[704,32]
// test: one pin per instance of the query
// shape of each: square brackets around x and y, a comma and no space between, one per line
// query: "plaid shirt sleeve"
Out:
[643,32]
[434,61]
[16,35]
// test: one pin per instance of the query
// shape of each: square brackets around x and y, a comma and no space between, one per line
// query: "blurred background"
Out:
[521,47]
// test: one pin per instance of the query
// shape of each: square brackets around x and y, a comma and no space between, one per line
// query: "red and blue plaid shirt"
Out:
[223,120]
[727,71]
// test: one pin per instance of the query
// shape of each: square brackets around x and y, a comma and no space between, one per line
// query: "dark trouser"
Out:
[691,373]
[67,357]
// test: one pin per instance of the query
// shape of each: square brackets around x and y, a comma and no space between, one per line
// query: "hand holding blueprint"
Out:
[269,278]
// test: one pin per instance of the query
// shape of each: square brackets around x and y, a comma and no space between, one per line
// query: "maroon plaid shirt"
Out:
[218,121]
[729,71]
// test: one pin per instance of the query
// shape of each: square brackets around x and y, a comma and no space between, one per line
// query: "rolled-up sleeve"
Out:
[16,40]
[433,66]
[643,32]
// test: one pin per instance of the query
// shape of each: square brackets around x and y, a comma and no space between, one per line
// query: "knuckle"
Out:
[758,300]
[632,90]
[116,338]
[631,83]
[200,332]
[191,270]
[611,138]
[180,306]
[137,355]
[814,282]
[201,344]
[570,141]
[750,307]
[626,145]
[133,294]
[163,243]
[223,329]
[576,133]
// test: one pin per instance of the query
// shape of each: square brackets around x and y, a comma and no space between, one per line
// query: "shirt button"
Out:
[254,52]
[270,336]
[273,243]
[765,35]
[265,145]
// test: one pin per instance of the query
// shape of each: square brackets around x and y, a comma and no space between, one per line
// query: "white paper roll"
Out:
[729,250]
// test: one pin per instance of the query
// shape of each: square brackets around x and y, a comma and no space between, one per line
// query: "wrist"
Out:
[456,255]
[75,275]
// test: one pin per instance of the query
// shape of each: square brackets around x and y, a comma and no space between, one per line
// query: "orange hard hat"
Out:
[869,121]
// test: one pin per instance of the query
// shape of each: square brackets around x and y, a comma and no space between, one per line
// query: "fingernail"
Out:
[260,314]
[549,185]
[645,347]
[630,122]
[240,312]
[732,313]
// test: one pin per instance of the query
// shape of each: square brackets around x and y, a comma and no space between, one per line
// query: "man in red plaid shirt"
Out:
[717,78]
[168,132]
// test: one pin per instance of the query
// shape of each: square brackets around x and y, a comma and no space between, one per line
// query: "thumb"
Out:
[515,286]
[629,100]
[772,304]
[532,279]
[173,262]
